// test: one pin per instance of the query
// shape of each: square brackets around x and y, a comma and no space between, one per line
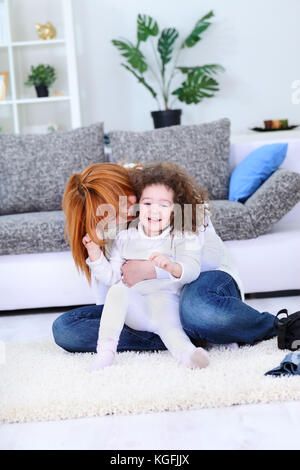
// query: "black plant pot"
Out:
[169,117]
[42,91]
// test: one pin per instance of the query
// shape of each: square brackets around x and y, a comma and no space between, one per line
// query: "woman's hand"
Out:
[137,270]
[94,250]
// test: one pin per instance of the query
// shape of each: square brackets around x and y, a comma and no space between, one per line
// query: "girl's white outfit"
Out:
[214,256]
[151,305]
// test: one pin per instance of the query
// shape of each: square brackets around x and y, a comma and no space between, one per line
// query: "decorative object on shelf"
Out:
[274,125]
[52,127]
[3,85]
[199,81]
[268,125]
[58,93]
[41,77]
[46,31]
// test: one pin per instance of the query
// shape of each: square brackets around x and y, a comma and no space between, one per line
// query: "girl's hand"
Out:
[94,250]
[164,262]
[161,261]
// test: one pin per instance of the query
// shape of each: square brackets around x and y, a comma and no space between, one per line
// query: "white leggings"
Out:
[157,313]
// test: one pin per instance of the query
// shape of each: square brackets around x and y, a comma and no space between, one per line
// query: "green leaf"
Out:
[196,87]
[146,26]
[133,55]
[141,80]
[165,45]
[199,28]
[209,70]
[42,74]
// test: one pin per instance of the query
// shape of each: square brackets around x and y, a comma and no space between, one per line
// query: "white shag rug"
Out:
[41,382]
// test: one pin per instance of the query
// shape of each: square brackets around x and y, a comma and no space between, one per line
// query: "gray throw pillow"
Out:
[34,169]
[231,220]
[202,150]
[273,199]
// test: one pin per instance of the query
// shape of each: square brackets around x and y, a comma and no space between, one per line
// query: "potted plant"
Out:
[158,74]
[41,77]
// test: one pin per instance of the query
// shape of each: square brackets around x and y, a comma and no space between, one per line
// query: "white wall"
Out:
[257,41]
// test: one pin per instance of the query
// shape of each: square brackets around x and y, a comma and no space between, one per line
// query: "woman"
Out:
[211,307]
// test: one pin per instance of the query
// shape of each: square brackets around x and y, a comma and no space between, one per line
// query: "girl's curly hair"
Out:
[190,199]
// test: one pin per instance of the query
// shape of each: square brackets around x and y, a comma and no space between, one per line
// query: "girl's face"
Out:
[156,205]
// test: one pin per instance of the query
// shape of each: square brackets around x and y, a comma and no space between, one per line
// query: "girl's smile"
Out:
[156,206]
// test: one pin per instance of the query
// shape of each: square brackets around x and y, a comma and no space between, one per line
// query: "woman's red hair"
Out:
[100,183]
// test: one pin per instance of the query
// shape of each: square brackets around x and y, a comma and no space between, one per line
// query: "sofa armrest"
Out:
[275,197]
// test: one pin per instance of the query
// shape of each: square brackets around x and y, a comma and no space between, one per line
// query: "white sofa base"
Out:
[270,262]
[267,263]
[42,280]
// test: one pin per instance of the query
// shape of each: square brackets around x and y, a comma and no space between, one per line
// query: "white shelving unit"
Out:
[23,112]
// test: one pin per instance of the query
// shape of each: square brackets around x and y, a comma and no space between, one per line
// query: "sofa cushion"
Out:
[275,198]
[202,150]
[34,232]
[231,220]
[255,169]
[34,169]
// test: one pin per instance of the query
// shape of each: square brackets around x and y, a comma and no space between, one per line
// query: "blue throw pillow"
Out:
[254,170]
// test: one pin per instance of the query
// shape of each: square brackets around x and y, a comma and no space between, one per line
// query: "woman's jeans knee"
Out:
[211,309]
[78,329]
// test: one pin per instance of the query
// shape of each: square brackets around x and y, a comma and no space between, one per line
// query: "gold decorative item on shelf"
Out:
[46,31]
[3,85]
[276,124]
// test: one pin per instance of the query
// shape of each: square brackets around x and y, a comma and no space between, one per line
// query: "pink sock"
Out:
[197,359]
[104,358]
[106,350]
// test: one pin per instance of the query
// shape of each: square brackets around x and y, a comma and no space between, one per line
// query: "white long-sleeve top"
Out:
[133,243]
[214,256]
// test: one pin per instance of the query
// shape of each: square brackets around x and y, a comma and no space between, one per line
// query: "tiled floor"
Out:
[272,426]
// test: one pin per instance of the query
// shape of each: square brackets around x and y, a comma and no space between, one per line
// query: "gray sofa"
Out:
[34,170]
[204,151]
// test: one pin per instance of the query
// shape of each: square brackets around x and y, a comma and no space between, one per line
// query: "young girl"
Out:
[163,191]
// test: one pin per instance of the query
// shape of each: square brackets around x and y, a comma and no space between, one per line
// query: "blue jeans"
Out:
[211,310]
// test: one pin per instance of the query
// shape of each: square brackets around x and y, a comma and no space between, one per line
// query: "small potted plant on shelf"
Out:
[41,77]
[198,81]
